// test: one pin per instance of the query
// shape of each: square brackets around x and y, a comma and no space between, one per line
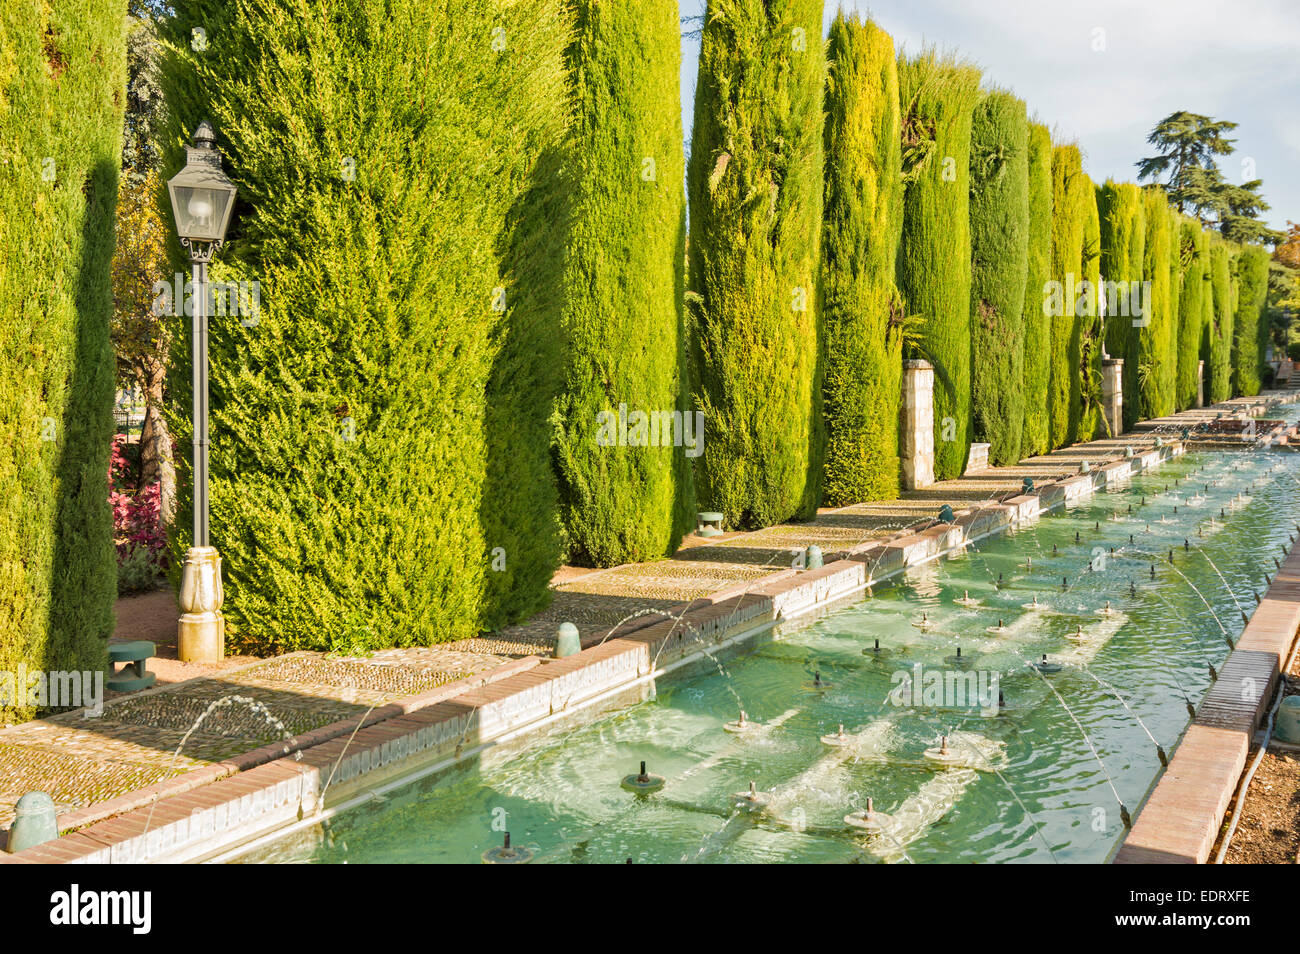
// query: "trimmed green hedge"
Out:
[1193,299]
[863,222]
[1069,191]
[1123,250]
[380,462]
[1219,330]
[623,323]
[1250,324]
[1156,358]
[755,185]
[1092,420]
[999,224]
[1038,326]
[937,95]
[62,86]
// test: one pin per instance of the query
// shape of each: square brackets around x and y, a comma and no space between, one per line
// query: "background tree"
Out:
[141,338]
[755,185]
[141,335]
[1038,330]
[622,320]
[863,222]
[937,94]
[1186,144]
[999,222]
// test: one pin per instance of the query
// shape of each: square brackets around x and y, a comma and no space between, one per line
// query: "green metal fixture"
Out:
[35,822]
[567,641]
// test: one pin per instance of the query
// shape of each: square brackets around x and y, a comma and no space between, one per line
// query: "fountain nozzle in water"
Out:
[1045,665]
[869,820]
[837,738]
[752,800]
[506,854]
[739,725]
[643,783]
[942,755]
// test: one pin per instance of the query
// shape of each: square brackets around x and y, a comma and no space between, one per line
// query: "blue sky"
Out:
[1231,59]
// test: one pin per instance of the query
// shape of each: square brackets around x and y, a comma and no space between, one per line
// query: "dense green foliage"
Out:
[380,462]
[1219,329]
[755,184]
[62,86]
[937,96]
[1070,303]
[1123,250]
[863,221]
[623,325]
[1250,322]
[999,235]
[1156,358]
[1193,258]
[1038,326]
[1092,421]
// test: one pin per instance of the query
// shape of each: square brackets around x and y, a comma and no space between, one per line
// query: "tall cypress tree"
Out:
[1069,191]
[1156,360]
[1038,325]
[999,224]
[62,86]
[380,463]
[1250,322]
[863,222]
[1092,421]
[1170,374]
[623,289]
[937,95]
[755,185]
[1219,329]
[1193,258]
[1123,247]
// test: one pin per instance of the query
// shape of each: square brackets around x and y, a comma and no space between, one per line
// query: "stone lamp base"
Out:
[201,635]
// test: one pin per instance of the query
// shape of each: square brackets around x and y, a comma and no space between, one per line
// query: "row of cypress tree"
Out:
[849,206]
[484,337]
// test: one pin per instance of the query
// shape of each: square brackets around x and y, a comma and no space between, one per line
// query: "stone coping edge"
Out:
[1179,821]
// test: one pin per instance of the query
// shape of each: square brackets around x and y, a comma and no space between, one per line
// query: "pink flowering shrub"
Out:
[137,527]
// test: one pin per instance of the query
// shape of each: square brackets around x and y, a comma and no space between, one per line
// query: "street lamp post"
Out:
[202,197]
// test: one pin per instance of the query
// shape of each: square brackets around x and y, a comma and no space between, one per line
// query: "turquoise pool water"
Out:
[1035,781]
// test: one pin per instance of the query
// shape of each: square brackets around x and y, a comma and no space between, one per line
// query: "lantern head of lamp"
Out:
[202,196]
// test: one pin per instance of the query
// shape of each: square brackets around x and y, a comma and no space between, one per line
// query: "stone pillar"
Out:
[1112,393]
[1200,384]
[917,438]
